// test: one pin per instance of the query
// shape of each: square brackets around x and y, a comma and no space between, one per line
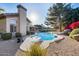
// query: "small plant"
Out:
[36,50]
[74,32]
[76,37]
[28,33]
[6,36]
[18,35]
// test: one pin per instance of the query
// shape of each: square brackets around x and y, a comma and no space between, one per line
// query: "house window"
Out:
[12,28]
[12,25]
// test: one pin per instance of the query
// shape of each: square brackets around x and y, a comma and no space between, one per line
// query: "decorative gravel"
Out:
[66,47]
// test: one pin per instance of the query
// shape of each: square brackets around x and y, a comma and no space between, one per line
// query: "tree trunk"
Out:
[60,24]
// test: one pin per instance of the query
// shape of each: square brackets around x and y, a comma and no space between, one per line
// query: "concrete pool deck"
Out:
[66,47]
[25,46]
[28,42]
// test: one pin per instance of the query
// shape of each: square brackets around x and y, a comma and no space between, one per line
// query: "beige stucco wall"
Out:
[23,22]
[21,27]
[8,22]
[28,26]
[3,25]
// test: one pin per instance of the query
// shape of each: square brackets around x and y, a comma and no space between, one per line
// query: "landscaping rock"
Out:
[76,37]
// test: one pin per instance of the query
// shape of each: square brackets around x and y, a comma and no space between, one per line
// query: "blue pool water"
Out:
[46,36]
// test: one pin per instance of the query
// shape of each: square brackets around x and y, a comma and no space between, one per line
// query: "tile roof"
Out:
[8,14]
[11,14]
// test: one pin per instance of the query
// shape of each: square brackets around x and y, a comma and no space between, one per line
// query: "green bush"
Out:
[76,37]
[18,35]
[74,32]
[36,50]
[6,36]
[28,33]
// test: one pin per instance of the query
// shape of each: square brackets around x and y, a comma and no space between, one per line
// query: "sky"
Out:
[36,12]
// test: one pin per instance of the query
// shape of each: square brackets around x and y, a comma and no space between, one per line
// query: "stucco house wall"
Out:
[28,26]
[8,23]
[22,22]
[22,18]
[3,25]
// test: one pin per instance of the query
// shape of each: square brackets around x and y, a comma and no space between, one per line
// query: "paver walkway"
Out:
[8,47]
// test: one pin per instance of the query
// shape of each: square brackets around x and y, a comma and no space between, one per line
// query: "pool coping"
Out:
[42,45]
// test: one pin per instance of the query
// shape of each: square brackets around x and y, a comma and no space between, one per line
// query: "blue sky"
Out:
[36,12]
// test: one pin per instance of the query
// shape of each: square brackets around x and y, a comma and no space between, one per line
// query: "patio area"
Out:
[8,47]
[66,47]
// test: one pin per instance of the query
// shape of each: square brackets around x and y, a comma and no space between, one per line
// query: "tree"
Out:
[1,10]
[57,12]
[71,16]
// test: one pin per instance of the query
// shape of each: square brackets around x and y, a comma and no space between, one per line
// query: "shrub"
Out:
[36,50]
[6,36]
[28,33]
[76,37]
[32,33]
[74,32]
[18,35]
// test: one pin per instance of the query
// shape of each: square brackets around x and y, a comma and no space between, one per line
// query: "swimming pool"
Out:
[46,36]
